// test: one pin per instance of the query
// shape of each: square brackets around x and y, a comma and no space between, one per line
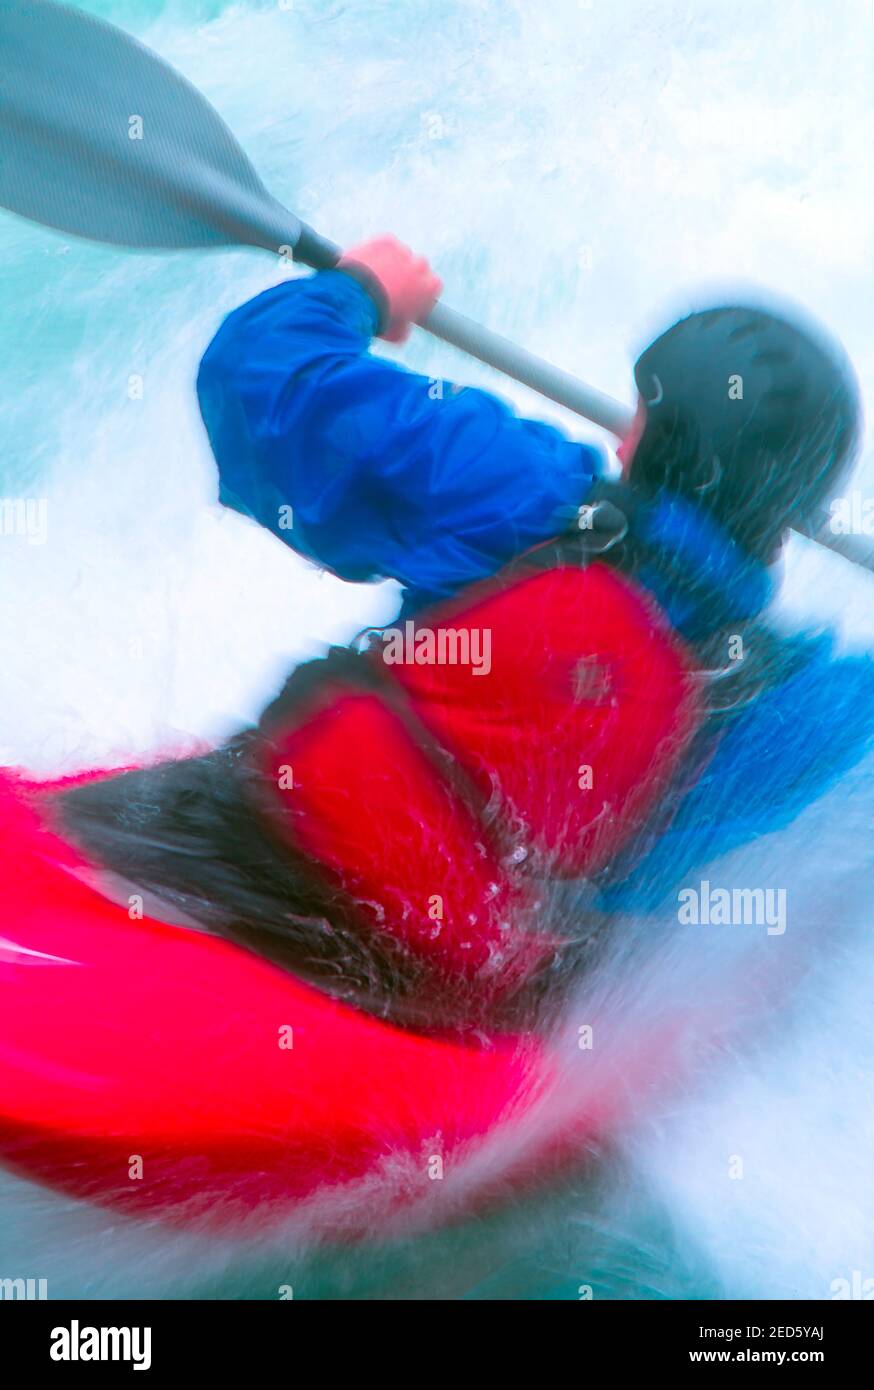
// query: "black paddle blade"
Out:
[101,138]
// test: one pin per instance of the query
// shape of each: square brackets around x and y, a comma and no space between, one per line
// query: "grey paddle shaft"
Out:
[101,138]
[858,549]
[532,371]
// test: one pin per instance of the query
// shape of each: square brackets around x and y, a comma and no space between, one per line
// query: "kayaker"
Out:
[406,827]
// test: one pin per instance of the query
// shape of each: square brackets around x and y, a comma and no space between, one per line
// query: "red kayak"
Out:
[167,1071]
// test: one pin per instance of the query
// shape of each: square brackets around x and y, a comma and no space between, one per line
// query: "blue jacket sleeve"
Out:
[364,467]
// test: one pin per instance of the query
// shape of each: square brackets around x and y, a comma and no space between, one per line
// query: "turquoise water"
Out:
[578,173]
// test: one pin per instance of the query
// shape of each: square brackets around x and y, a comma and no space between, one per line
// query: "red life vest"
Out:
[521,732]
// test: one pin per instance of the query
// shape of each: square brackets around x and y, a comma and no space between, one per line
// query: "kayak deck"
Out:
[227,1078]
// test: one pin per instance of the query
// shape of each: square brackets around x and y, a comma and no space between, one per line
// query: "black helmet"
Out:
[750,415]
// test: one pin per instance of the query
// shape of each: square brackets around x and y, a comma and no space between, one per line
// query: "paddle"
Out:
[101,138]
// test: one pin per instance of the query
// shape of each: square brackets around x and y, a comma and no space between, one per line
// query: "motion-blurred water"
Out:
[579,173]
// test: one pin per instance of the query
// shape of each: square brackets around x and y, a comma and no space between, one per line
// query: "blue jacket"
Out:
[387,474]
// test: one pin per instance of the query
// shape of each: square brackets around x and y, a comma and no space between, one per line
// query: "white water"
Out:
[578,173]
